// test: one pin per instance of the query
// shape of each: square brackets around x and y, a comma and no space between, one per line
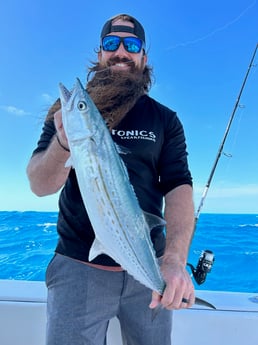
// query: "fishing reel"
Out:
[203,267]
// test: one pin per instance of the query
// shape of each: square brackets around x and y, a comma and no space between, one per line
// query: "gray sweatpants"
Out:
[82,300]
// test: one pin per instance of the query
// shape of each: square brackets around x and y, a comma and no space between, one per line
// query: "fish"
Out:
[121,227]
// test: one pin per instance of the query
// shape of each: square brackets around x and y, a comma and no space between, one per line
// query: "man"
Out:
[83,296]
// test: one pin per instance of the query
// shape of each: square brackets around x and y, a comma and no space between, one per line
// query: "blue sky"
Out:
[200,51]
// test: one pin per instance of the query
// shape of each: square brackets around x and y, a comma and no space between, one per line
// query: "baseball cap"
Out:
[137,30]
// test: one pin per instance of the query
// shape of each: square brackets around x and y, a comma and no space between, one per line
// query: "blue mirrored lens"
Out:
[111,43]
[131,44]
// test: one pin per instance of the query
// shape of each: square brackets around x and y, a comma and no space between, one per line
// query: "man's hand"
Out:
[46,170]
[179,291]
[60,129]
[179,216]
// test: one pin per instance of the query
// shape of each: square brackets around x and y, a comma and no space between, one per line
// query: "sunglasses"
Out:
[131,44]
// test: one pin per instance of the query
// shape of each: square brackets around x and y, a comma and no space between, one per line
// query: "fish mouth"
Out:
[65,94]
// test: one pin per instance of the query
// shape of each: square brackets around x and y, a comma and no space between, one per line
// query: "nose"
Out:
[121,51]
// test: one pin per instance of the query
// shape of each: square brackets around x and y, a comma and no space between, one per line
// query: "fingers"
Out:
[174,298]
[58,120]
[59,128]
[172,302]
[178,296]
[188,302]
[155,302]
[179,291]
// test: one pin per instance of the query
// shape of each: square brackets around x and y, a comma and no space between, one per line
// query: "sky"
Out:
[200,52]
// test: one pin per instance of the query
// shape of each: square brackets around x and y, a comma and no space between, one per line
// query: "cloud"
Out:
[231,199]
[14,110]
[47,98]
[231,191]
[237,191]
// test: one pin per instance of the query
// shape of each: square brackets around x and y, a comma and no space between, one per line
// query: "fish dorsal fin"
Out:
[153,220]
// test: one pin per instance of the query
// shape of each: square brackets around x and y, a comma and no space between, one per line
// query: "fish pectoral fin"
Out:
[122,150]
[96,249]
[69,162]
[153,220]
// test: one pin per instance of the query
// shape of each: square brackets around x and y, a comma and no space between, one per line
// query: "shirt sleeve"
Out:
[173,163]
[45,138]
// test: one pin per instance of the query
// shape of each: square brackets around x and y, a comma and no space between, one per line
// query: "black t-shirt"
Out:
[157,163]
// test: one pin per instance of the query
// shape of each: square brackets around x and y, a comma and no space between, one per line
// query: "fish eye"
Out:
[82,105]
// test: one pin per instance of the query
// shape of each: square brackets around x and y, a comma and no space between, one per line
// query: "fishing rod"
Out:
[207,257]
[224,138]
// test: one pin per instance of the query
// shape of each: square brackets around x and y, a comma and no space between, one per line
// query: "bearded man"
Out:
[83,296]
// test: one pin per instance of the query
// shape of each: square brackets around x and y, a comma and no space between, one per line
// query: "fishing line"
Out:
[230,152]
[219,29]
[220,151]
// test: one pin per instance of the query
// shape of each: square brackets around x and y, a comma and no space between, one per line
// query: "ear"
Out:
[99,54]
[144,59]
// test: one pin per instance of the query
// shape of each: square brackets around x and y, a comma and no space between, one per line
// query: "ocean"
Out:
[28,240]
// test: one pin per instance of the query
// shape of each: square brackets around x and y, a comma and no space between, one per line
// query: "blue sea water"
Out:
[28,239]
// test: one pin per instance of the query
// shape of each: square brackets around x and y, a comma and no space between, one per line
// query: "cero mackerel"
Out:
[121,227]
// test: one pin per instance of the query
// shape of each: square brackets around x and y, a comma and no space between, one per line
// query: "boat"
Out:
[234,322]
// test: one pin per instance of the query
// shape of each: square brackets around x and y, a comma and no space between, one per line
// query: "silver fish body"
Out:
[120,226]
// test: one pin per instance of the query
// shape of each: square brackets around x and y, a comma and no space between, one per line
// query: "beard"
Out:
[115,92]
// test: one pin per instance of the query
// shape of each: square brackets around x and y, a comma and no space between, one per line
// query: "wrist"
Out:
[170,259]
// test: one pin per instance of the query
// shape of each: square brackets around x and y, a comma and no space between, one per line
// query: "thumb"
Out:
[155,301]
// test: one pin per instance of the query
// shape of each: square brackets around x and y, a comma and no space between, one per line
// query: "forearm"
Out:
[46,170]
[179,216]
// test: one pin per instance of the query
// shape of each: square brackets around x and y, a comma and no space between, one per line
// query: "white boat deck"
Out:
[235,322]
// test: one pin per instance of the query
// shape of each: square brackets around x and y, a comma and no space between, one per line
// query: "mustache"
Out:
[117,59]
